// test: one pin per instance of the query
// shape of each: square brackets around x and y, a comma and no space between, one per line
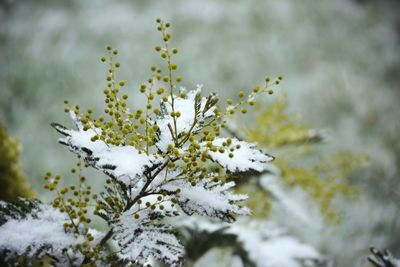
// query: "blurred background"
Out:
[340,61]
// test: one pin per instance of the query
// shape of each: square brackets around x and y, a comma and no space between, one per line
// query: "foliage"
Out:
[13,182]
[298,165]
[332,85]
[160,161]
[251,242]
[322,178]
[382,259]
[198,242]
[25,228]
[296,144]
[168,158]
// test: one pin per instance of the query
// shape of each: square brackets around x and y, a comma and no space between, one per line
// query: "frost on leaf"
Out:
[144,238]
[35,234]
[246,156]
[123,163]
[208,198]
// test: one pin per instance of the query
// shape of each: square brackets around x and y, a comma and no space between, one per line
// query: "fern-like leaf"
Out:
[144,237]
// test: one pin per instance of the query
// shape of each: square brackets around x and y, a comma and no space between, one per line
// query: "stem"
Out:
[183,141]
[67,211]
[148,182]
[106,237]
[171,85]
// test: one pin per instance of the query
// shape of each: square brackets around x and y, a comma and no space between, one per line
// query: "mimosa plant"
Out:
[164,159]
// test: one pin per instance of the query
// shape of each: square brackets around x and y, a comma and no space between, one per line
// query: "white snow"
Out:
[269,246]
[395,262]
[207,198]
[186,106]
[140,241]
[129,163]
[266,243]
[247,157]
[82,138]
[282,251]
[287,198]
[126,161]
[46,229]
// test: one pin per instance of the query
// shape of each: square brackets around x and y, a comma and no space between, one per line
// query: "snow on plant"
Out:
[383,258]
[167,158]
[254,242]
[254,239]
